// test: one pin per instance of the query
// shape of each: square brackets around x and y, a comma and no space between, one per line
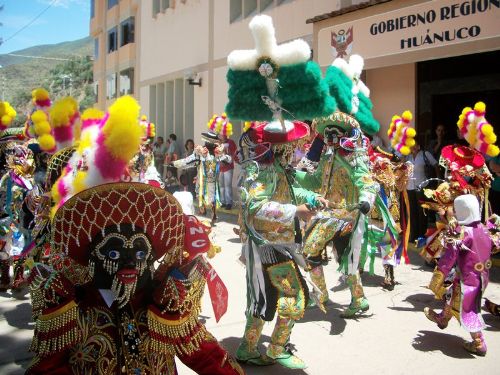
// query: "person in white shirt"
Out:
[418,158]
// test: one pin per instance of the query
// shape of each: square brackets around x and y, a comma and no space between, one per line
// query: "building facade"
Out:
[431,57]
[114,30]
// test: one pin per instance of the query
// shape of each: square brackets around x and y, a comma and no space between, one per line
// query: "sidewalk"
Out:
[392,338]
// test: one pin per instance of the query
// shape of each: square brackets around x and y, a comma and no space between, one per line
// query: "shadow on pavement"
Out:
[332,316]
[20,317]
[492,322]
[449,345]
[418,302]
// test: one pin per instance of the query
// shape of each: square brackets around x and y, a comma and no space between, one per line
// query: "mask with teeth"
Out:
[121,260]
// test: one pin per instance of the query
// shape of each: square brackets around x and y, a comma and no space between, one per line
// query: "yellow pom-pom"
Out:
[410,142]
[480,107]
[92,113]
[39,94]
[79,182]
[487,129]
[38,116]
[42,127]
[466,110]
[47,142]
[6,120]
[492,151]
[490,138]
[395,117]
[407,116]
[63,111]
[410,132]
[404,150]
[122,130]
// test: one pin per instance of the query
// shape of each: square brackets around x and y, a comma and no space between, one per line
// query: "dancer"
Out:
[343,176]
[101,305]
[467,246]
[392,174]
[208,157]
[273,84]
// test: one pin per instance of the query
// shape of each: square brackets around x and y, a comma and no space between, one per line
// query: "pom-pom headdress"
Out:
[219,124]
[7,115]
[351,94]
[148,129]
[275,81]
[401,134]
[103,152]
[477,131]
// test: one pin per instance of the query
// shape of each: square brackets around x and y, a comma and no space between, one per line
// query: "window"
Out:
[96,48]
[171,108]
[112,40]
[165,4]
[92,8]
[235,10]
[264,4]
[127,31]
[127,81]
[156,7]
[249,6]
[111,86]
[112,3]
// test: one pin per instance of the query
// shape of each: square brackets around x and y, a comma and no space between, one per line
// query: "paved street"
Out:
[394,337]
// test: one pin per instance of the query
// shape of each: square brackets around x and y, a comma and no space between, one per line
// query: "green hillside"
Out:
[20,75]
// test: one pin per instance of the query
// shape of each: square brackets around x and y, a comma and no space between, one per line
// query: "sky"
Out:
[64,20]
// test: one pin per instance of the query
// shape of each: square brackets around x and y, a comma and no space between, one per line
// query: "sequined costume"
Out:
[122,288]
[466,173]
[208,159]
[392,174]
[276,84]
[275,285]
[468,246]
[16,183]
[343,177]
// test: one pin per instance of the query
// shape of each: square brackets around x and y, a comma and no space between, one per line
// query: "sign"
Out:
[424,26]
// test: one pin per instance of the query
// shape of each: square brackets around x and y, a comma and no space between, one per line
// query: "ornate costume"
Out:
[344,178]
[122,288]
[468,247]
[208,158]
[392,174]
[272,83]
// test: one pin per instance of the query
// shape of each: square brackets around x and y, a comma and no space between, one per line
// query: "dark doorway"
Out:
[446,86]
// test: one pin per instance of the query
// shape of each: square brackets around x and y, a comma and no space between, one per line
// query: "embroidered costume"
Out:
[468,247]
[273,83]
[122,288]
[208,159]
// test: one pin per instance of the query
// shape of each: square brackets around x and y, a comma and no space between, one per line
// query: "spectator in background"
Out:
[226,170]
[189,173]
[173,152]
[437,144]
[159,151]
[171,183]
[417,218]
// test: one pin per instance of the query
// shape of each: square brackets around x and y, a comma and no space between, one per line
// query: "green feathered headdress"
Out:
[275,79]
[351,94]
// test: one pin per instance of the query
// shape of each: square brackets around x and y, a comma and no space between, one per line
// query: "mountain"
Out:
[80,47]
[20,75]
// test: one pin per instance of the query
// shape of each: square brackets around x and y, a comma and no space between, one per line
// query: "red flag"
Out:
[196,238]
[218,292]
